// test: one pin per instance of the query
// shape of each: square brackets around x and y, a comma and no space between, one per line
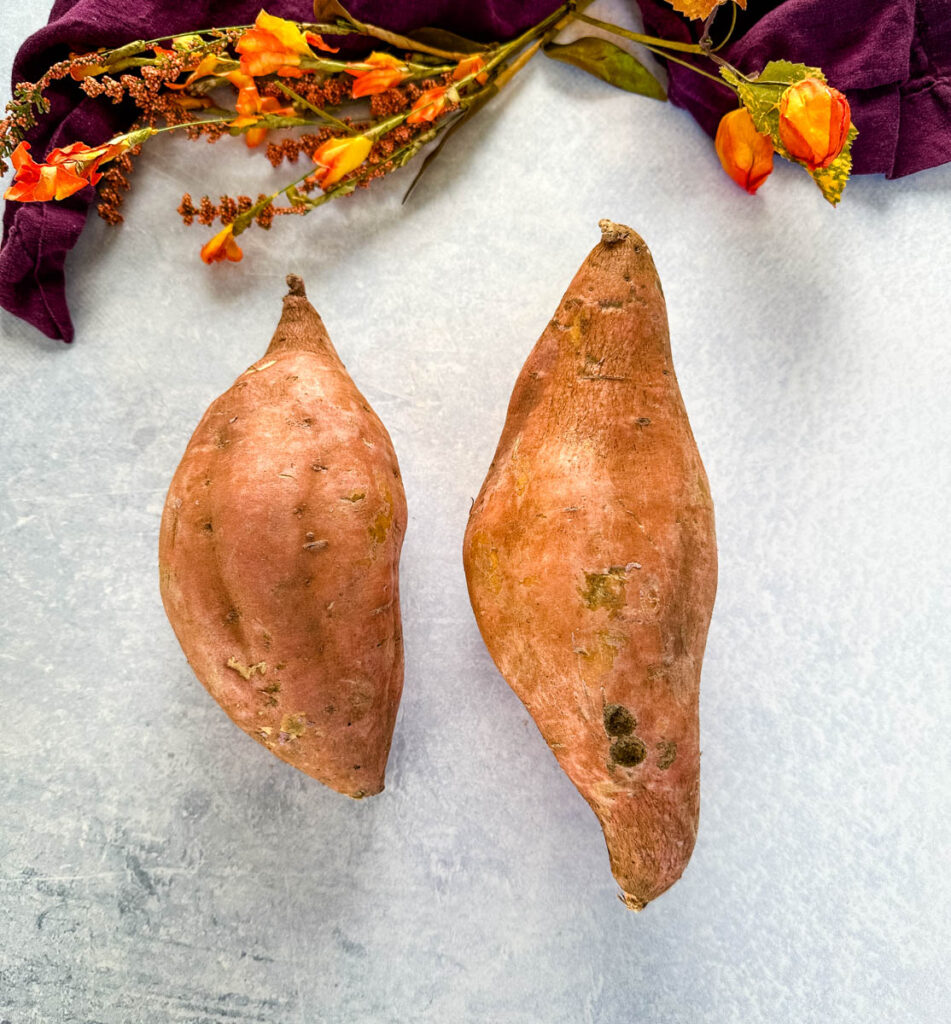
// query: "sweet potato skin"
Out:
[590,556]
[279,559]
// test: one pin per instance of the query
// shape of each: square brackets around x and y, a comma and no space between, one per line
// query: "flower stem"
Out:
[637,37]
[329,118]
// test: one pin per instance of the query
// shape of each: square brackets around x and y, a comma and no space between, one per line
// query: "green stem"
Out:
[686,64]
[638,37]
[329,118]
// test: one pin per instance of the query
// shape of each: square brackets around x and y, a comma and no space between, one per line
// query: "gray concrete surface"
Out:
[157,865]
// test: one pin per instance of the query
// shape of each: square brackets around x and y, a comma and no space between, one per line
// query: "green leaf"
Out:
[833,179]
[326,12]
[610,63]
[445,40]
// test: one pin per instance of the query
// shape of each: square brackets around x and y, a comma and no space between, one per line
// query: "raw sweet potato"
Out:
[279,558]
[590,556]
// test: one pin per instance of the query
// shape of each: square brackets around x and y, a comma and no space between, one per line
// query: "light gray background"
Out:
[157,865]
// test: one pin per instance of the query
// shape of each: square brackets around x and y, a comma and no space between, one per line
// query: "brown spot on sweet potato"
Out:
[618,721]
[356,496]
[604,589]
[667,754]
[628,751]
[269,693]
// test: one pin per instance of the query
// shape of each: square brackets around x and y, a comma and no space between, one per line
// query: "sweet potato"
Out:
[590,556]
[279,559]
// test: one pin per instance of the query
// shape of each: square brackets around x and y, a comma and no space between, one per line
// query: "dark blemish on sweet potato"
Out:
[299,510]
[232,617]
[667,754]
[356,496]
[318,467]
[643,421]
[208,528]
[269,693]
[618,721]
[628,751]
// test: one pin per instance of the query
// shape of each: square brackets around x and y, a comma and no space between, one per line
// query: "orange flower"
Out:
[430,105]
[64,173]
[386,71]
[468,66]
[251,106]
[67,169]
[746,154]
[274,45]
[814,122]
[222,247]
[339,156]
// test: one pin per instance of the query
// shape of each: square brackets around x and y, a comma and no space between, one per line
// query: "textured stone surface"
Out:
[157,865]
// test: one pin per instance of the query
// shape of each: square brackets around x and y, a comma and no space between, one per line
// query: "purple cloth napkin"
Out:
[38,236]
[892,60]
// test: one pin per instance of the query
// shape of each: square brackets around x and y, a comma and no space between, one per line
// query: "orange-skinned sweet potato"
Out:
[279,559]
[590,556]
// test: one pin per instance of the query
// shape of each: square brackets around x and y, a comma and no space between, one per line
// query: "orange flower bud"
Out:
[746,154]
[430,105]
[814,122]
[469,66]
[222,247]
[339,156]
[385,72]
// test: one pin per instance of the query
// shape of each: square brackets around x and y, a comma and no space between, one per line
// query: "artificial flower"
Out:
[746,154]
[430,105]
[468,66]
[251,106]
[64,173]
[222,247]
[274,45]
[386,71]
[814,121]
[339,156]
